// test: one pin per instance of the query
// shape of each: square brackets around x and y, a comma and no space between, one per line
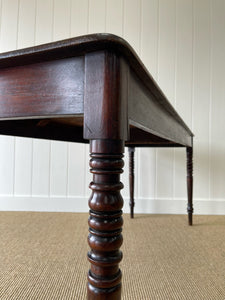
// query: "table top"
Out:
[88,87]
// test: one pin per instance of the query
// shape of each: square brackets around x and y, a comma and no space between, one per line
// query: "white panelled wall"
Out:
[182,43]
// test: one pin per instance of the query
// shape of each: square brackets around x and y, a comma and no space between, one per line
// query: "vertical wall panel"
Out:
[9,21]
[114,17]
[167,47]
[146,173]
[149,35]
[44,21]
[97,17]
[40,168]
[201,97]
[166,76]
[26,24]
[61,19]
[149,53]
[132,23]
[183,85]
[217,177]
[23,166]
[0,16]
[76,170]
[58,169]
[79,17]
[7,158]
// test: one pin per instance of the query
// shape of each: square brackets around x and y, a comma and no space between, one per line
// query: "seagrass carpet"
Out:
[43,256]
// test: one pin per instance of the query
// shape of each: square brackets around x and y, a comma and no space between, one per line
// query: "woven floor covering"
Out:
[43,256]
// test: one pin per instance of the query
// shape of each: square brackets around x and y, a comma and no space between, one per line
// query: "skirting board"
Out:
[80,204]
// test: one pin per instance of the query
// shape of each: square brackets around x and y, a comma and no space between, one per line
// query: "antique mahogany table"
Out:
[92,89]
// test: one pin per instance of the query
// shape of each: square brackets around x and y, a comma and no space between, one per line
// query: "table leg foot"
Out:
[104,294]
[190,209]
[105,221]
[131,151]
[190,218]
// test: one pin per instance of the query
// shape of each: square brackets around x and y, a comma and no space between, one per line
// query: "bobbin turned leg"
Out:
[131,151]
[105,221]
[189,151]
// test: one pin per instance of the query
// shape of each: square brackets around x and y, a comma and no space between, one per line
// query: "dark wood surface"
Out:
[91,89]
[28,91]
[42,89]
[105,238]
[189,152]
[105,99]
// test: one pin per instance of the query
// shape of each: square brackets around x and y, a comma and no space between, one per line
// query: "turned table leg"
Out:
[131,151]
[189,151]
[105,221]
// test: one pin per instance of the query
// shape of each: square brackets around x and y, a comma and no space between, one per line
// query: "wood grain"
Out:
[42,89]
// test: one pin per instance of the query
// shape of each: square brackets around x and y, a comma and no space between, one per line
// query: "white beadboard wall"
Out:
[182,43]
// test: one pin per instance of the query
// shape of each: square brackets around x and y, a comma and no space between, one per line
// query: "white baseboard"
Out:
[80,204]
[177,206]
[38,203]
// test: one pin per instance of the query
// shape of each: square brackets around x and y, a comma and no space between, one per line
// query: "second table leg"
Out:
[190,209]
[131,151]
